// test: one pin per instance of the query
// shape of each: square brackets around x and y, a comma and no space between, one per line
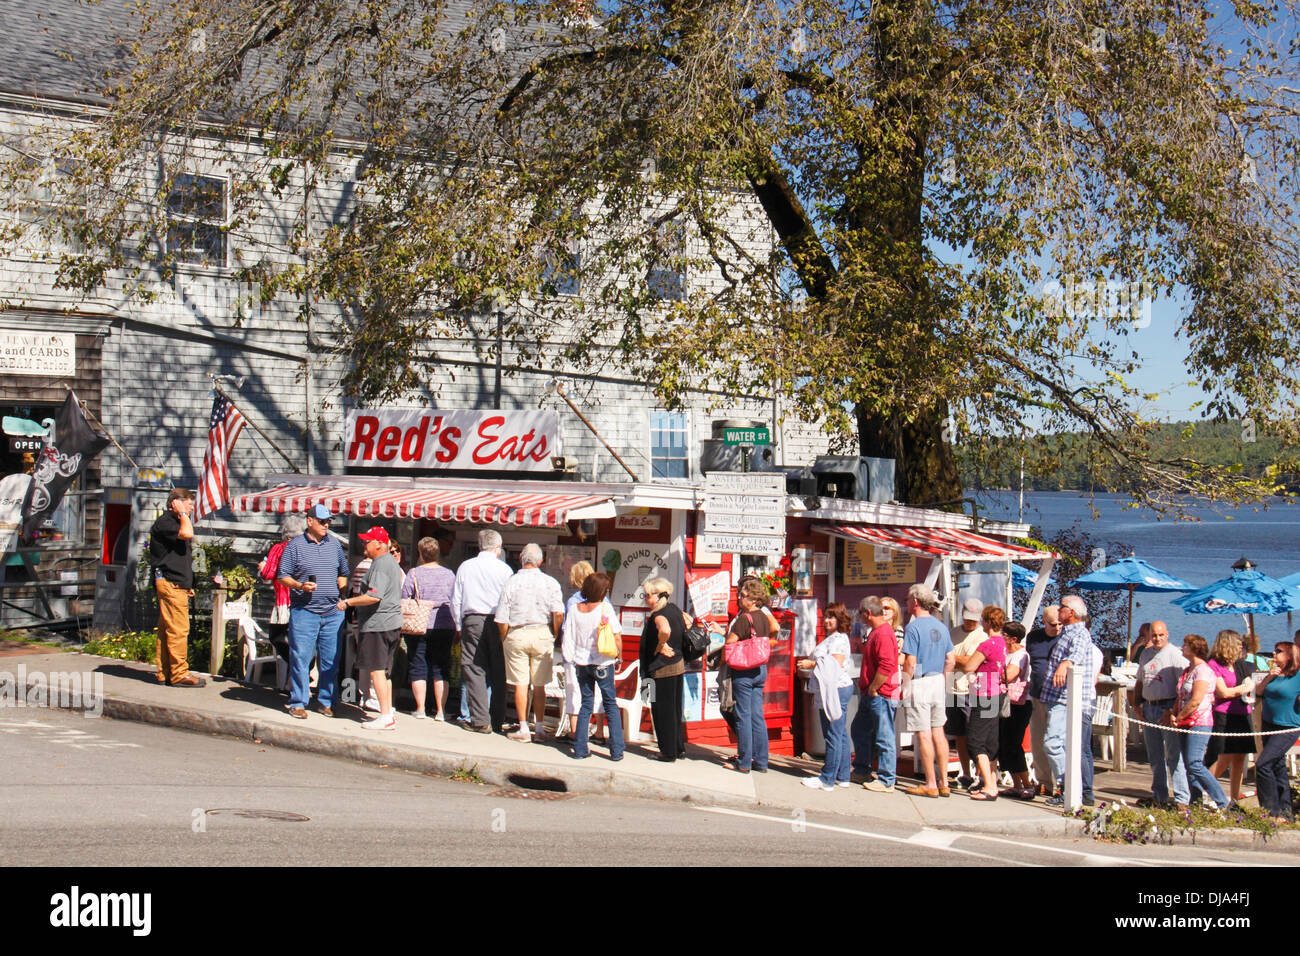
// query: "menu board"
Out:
[861,566]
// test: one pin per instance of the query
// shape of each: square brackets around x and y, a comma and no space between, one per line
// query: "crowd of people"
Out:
[987,685]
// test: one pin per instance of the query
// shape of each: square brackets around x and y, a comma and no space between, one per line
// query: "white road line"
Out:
[1089,859]
[790,821]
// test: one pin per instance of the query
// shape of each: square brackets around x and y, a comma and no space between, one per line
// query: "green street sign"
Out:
[747,436]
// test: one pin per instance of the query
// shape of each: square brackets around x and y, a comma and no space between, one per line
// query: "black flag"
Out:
[69,446]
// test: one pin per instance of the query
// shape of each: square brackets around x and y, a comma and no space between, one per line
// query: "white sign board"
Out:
[629,564]
[490,441]
[743,523]
[745,504]
[743,543]
[37,353]
[745,483]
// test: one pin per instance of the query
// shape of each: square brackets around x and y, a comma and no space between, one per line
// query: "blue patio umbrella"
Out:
[1131,574]
[1022,579]
[1246,592]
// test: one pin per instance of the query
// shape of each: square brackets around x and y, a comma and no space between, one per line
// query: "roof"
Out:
[936,542]
[61,48]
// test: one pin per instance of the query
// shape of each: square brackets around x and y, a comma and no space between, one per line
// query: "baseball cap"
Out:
[375,534]
[322,513]
[972,609]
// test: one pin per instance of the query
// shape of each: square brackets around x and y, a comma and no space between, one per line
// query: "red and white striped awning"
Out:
[934,542]
[479,506]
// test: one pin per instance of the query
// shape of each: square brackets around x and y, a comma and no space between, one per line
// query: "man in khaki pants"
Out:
[171,544]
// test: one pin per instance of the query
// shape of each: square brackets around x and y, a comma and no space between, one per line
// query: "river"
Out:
[1198,551]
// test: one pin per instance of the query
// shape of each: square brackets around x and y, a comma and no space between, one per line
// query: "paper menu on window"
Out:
[709,591]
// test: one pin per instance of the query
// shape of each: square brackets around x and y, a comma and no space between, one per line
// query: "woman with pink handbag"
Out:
[747,649]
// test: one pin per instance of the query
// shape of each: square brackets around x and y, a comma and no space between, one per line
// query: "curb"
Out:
[1060,827]
[491,770]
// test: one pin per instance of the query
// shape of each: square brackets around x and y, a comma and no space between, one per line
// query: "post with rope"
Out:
[1073,793]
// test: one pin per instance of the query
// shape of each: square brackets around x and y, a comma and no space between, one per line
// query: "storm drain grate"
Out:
[281,816]
[531,794]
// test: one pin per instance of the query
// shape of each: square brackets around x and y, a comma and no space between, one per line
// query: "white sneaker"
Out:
[381,722]
[521,734]
[815,783]
[843,783]
[439,718]
[421,715]
[372,704]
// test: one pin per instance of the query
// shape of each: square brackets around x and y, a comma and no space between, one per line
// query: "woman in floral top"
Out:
[1194,712]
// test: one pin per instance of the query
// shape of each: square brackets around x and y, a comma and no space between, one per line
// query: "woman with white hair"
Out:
[278,627]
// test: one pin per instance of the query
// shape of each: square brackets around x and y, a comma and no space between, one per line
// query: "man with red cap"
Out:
[379,613]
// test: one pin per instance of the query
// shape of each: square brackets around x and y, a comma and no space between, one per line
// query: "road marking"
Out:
[786,821]
[939,838]
[1089,859]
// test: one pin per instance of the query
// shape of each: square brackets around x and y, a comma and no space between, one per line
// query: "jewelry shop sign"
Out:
[37,353]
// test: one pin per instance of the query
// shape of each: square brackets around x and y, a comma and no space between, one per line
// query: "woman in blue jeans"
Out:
[753,621]
[580,642]
[1279,692]
[1194,712]
[838,766]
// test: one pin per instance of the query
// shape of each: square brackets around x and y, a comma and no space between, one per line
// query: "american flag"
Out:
[223,429]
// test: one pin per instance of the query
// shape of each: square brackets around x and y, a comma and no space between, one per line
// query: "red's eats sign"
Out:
[474,440]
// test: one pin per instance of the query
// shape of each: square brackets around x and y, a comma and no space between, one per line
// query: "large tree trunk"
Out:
[926,471]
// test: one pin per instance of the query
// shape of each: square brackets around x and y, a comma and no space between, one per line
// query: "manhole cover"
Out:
[283,816]
[531,794]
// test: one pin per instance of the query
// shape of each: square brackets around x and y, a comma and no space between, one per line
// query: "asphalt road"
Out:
[80,791]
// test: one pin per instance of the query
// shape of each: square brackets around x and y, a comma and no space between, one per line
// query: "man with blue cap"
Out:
[315,570]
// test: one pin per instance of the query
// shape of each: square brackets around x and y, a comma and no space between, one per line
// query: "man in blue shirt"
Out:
[315,570]
[926,658]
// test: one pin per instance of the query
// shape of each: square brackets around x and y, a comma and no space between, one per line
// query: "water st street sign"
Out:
[747,436]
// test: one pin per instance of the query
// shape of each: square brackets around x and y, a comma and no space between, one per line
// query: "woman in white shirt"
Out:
[834,656]
[579,640]
[572,694]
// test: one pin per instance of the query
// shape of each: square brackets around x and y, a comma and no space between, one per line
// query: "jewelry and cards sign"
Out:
[461,439]
[744,513]
[37,353]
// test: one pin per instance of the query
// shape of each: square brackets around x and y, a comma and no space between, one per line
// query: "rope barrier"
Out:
[1204,730]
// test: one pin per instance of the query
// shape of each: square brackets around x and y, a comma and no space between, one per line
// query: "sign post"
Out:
[744,513]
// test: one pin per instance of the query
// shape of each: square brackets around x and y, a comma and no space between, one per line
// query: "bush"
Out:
[125,645]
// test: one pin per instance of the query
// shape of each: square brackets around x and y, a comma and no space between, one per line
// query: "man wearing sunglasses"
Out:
[315,570]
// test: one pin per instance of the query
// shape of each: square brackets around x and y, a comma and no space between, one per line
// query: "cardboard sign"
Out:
[630,564]
[861,566]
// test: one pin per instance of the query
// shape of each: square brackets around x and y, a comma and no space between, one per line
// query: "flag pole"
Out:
[216,386]
[100,425]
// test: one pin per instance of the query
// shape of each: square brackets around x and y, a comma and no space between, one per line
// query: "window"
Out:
[670,443]
[196,221]
[667,276]
[561,269]
[24,426]
[47,205]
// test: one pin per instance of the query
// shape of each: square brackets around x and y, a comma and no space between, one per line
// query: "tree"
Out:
[971,201]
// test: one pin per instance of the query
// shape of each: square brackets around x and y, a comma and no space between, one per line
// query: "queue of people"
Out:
[986,684]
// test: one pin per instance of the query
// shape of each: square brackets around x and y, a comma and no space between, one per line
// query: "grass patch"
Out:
[468,775]
[22,637]
[1120,823]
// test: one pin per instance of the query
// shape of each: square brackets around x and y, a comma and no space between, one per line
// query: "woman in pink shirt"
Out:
[1194,713]
[988,665]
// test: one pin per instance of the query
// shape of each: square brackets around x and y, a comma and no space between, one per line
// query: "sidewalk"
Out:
[227,707]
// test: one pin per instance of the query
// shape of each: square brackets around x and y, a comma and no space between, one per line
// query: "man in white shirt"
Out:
[474,602]
[529,617]
[966,637]
[1160,665]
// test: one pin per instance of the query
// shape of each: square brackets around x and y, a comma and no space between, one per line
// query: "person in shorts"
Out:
[926,660]
[529,616]
[379,613]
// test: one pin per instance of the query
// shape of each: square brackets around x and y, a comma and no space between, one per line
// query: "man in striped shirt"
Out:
[315,570]
[1073,651]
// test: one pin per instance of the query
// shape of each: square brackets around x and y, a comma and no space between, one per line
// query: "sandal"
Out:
[982,796]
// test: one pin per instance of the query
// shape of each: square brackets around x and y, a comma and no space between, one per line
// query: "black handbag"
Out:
[695,642]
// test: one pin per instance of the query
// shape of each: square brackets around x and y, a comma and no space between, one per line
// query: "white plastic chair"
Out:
[631,707]
[249,631]
[1102,712]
